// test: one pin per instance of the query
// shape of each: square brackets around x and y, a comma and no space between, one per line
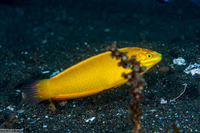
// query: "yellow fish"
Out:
[89,76]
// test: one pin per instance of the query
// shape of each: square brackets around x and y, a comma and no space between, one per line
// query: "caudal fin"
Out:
[35,91]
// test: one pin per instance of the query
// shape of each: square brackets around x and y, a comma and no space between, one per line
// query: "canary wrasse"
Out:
[88,77]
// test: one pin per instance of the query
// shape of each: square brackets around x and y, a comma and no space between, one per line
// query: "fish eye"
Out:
[149,56]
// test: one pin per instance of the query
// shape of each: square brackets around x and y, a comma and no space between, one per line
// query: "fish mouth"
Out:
[159,57]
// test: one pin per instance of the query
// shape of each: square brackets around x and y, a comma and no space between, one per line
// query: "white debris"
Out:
[179,61]
[163,101]
[56,72]
[179,94]
[10,107]
[90,119]
[44,126]
[193,69]
[18,90]
[44,72]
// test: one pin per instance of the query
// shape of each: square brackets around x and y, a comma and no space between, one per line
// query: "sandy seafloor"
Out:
[65,33]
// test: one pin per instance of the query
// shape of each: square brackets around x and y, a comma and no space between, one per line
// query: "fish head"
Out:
[146,57]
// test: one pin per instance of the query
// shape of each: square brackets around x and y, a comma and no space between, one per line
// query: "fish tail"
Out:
[35,91]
